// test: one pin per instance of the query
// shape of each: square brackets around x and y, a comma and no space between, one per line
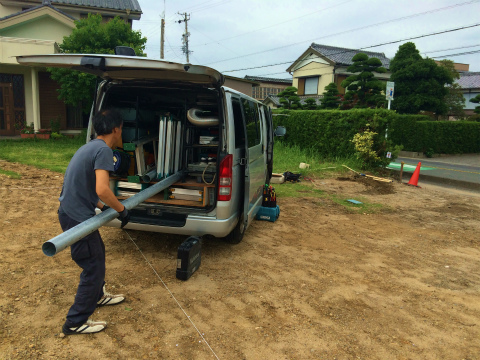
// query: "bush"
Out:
[329,132]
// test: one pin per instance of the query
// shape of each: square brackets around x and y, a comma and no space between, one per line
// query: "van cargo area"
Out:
[167,130]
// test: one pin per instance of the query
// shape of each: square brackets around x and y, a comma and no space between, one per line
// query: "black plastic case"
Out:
[189,257]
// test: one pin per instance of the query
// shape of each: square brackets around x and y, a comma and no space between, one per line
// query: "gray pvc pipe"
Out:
[71,236]
[149,176]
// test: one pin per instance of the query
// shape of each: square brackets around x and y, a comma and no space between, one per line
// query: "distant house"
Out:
[268,86]
[273,101]
[29,27]
[321,65]
[243,85]
[470,85]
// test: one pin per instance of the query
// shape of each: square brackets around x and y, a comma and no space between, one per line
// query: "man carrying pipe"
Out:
[86,182]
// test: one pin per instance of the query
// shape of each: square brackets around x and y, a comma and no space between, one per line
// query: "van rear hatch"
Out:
[116,67]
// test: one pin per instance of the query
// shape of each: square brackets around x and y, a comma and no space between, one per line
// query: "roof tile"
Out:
[344,56]
[469,80]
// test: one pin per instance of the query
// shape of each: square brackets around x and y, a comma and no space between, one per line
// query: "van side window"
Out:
[252,122]
[238,121]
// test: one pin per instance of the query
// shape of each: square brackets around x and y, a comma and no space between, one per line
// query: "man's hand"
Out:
[105,208]
[124,217]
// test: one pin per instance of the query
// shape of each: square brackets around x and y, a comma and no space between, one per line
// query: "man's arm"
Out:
[105,193]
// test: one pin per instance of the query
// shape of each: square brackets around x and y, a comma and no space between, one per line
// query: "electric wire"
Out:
[455,48]
[171,294]
[274,25]
[351,30]
[457,54]
[362,48]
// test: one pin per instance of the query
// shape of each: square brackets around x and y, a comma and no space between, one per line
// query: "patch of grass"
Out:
[286,158]
[53,155]
[11,174]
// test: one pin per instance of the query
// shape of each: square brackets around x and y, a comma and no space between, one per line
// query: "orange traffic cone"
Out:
[414,179]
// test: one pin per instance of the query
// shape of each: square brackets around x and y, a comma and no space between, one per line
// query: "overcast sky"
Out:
[237,34]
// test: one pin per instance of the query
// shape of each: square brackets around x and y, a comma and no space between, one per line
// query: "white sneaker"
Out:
[90,327]
[110,299]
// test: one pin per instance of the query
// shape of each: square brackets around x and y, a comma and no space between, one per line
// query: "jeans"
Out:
[89,254]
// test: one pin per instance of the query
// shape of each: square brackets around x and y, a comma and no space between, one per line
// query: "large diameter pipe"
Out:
[71,236]
[194,116]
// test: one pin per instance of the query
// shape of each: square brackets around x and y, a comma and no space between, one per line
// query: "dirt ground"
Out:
[397,281]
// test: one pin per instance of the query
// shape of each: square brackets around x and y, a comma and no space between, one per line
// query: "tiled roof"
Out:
[344,56]
[132,5]
[265,79]
[469,80]
[35,8]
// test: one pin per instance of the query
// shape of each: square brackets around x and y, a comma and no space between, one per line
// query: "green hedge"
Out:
[329,132]
[439,137]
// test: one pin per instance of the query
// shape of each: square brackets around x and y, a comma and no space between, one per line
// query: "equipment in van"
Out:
[194,116]
[186,194]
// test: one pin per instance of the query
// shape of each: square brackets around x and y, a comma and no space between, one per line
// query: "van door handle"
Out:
[242,161]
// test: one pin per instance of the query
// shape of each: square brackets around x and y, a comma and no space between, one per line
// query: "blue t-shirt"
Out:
[79,198]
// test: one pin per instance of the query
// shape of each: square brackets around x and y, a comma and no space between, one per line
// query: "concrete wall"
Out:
[241,86]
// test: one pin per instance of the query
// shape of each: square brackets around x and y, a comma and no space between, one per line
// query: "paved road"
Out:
[456,171]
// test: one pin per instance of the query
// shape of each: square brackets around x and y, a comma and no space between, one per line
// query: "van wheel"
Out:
[237,233]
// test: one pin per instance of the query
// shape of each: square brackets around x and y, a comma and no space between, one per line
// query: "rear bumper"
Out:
[194,225]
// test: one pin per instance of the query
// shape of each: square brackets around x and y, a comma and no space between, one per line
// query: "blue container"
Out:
[268,213]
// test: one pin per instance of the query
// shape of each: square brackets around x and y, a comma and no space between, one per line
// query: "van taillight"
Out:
[225,179]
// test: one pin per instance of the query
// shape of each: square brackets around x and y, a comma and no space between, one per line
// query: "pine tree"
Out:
[476,100]
[310,104]
[331,97]
[363,83]
[289,98]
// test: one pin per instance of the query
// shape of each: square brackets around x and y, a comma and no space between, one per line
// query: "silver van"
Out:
[178,118]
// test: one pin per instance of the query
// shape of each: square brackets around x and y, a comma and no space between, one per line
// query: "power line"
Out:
[351,30]
[280,23]
[198,31]
[366,47]
[456,48]
[457,54]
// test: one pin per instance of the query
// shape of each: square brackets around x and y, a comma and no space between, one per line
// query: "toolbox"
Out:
[269,196]
[268,213]
[189,257]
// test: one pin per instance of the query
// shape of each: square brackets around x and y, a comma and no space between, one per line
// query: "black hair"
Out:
[106,120]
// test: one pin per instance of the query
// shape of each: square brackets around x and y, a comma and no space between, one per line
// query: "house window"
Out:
[311,86]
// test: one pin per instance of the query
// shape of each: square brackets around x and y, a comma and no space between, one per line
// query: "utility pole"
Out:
[162,37]
[162,32]
[185,36]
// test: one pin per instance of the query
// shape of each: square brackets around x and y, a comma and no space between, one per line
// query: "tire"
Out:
[236,236]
